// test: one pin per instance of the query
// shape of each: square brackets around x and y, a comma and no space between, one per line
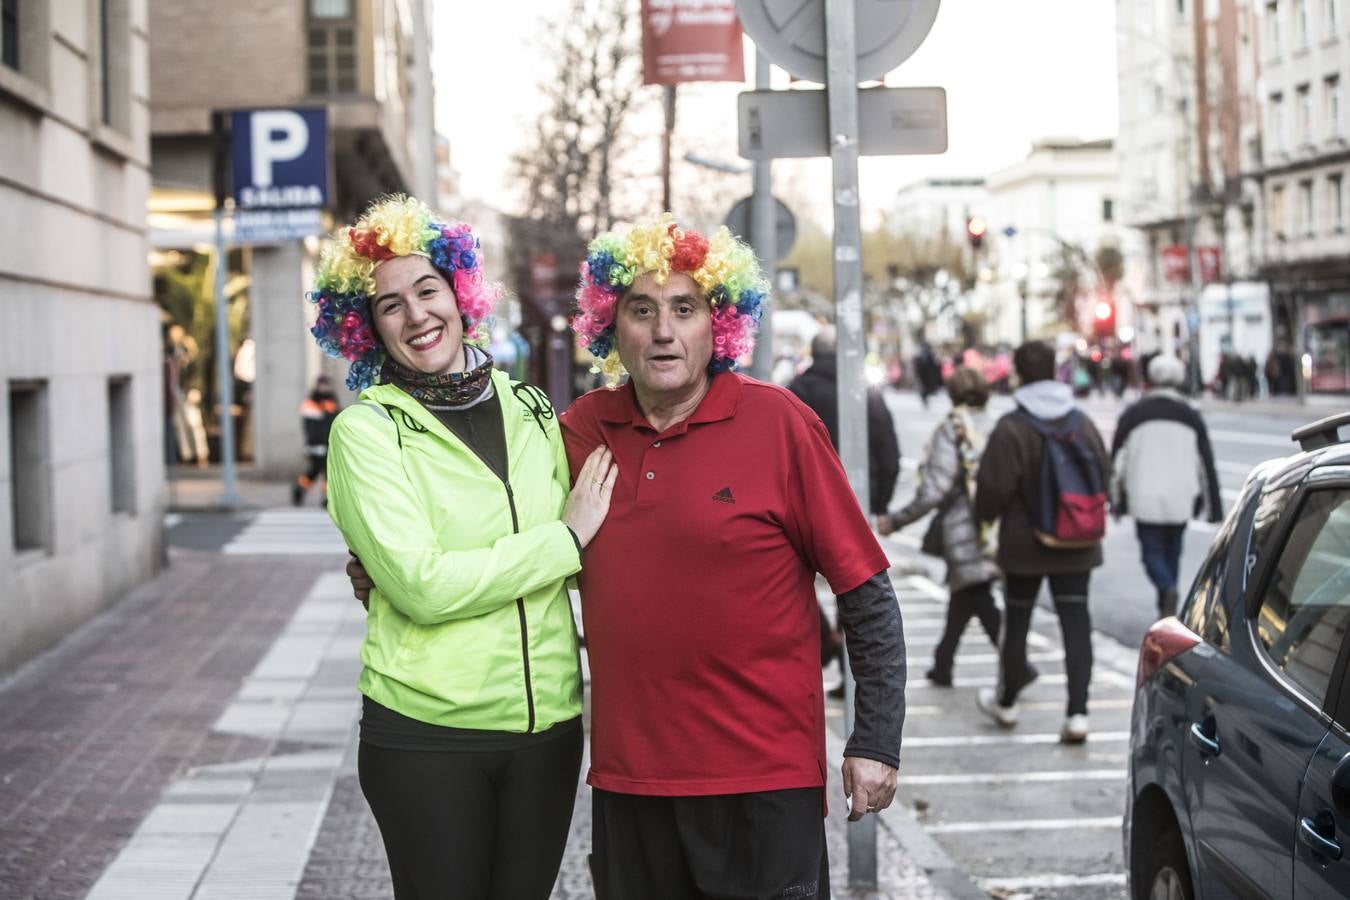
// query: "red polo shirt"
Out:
[698,593]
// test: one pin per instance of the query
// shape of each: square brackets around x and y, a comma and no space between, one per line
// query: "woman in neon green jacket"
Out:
[450,483]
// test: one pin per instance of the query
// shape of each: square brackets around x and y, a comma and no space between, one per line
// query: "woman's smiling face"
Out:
[416,316]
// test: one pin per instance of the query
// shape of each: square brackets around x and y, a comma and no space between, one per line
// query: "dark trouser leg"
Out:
[1021,595]
[535,796]
[1070,592]
[437,816]
[969,602]
[1153,554]
[635,848]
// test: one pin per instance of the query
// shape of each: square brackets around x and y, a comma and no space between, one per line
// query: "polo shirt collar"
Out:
[719,403]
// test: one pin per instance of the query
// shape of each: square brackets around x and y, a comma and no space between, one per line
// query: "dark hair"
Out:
[1034,361]
[967,387]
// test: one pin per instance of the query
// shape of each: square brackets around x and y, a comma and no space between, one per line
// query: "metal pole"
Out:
[229,496]
[842,87]
[220,153]
[666,136]
[763,235]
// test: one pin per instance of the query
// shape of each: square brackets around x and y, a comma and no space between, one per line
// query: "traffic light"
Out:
[1104,316]
[976,226]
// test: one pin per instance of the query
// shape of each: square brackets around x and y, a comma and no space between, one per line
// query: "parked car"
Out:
[1239,769]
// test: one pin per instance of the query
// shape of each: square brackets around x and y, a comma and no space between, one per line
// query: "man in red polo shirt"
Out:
[698,593]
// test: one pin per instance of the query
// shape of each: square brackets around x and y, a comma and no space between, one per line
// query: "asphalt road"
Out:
[1123,601]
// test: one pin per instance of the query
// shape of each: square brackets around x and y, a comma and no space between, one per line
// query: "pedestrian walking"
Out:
[1043,477]
[448,481]
[817,387]
[1163,474]
[927,372]
[947,488]
[317,412]
[707,754]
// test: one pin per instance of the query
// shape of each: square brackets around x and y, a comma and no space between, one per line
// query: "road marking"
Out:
[1245,437]
[990,740]
[172,519]
[1015,777]
[288,532]
[1024,825]
[1117,703]
[1034,882]
[926,586]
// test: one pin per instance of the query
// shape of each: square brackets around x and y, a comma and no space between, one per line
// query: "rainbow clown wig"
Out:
[345,284]
[724,268]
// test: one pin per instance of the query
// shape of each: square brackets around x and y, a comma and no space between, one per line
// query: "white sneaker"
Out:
[987,700]
[1075,730]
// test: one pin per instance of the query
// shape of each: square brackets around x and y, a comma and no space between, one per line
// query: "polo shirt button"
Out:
[657,444]
[651,475]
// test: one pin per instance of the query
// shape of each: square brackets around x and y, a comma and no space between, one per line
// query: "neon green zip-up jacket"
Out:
[469,624]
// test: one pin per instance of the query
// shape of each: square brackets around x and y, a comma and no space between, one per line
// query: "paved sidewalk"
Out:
[198,741]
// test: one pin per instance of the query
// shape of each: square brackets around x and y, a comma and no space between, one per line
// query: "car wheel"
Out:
[1165,874]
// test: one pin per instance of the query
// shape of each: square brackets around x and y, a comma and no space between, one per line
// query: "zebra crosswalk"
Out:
[288,532]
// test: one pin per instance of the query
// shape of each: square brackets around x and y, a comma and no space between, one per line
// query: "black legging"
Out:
[1070,593]
[477,825]
[971,601]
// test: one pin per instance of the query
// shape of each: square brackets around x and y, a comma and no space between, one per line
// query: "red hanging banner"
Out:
[691,40]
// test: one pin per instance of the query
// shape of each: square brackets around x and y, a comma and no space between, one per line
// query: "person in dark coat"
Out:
[927,372]
[1010,472]
[818,389]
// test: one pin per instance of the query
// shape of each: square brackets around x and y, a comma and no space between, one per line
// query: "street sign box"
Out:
[892,121]
[792,33]
[785,225]
[280,158]
[275,226]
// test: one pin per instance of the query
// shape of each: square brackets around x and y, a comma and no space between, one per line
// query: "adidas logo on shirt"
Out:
[724,496]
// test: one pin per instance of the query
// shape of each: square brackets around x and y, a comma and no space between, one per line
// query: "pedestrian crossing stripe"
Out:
[288,532]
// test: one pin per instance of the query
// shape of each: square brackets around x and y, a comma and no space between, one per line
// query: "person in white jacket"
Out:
[1163,474]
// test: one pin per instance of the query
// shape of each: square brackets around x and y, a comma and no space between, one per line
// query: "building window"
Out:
[1277,122]
[332,47]
[1305,207]
[1278,221]
[9,33]
[1331,23]
[1336,203]
[110,69]
[1273,47]
[1300,24]
[29,466]
[1108,209]
[1305,125]
[1331,87]
[121,438]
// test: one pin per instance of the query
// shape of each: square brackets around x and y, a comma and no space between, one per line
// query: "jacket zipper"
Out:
[524,628]
[520,601]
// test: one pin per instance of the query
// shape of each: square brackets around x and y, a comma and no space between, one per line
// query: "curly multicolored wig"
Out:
[724,268]
[344,287]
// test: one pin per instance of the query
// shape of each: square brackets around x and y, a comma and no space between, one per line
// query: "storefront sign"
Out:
[691,40]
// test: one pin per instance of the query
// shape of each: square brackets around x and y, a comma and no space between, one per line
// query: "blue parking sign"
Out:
[280,158]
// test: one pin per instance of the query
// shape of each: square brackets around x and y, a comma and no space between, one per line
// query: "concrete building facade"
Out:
[81,420]
[1305,163]
[1061,206]
[368,63]
[1188,145]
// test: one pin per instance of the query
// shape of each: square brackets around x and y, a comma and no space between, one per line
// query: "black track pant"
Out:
[476,825]
[1070,593]
[974,601]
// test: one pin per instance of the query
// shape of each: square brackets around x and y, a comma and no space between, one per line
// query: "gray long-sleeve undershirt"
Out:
[870,617]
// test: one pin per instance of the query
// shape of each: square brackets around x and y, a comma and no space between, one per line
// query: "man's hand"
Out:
[361,583]
[871,784]
[885,524]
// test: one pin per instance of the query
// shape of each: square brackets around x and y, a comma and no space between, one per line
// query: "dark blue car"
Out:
[1239,773]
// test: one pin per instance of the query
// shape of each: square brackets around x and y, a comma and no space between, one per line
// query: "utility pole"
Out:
[229,494]
[668,93]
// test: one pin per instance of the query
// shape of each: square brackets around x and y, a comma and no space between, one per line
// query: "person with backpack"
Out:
[1043,476]
[1163,474]
[947,486]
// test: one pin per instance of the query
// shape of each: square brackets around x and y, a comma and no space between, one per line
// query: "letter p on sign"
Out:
[277,135]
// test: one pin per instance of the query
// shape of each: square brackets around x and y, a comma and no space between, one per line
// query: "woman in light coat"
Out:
[946,483]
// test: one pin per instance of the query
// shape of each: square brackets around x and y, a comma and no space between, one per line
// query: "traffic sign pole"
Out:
[229,494]
[763,222]
[842,85]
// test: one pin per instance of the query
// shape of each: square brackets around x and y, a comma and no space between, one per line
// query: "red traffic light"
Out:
[1103,310]
[976,227]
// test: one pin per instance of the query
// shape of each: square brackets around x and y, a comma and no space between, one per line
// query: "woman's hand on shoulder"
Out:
[588,503]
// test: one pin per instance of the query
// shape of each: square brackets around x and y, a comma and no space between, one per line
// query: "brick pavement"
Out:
[164,746]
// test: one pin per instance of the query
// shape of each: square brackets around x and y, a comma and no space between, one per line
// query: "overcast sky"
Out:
[1016,71]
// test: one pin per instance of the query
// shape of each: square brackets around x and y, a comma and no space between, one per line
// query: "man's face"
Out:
[664,335]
